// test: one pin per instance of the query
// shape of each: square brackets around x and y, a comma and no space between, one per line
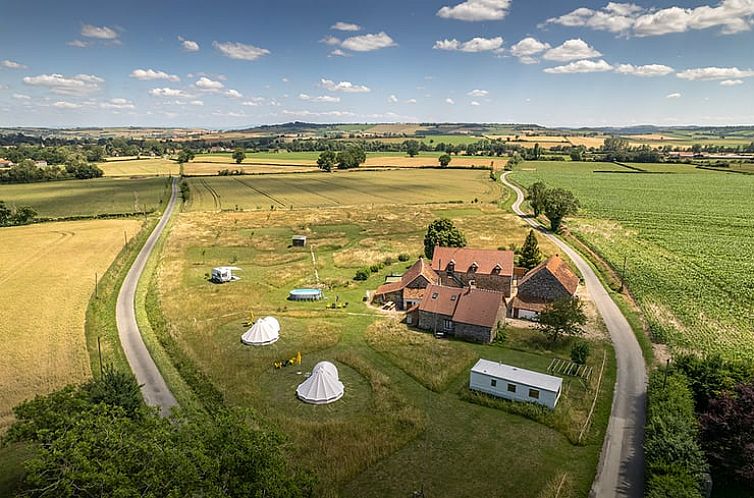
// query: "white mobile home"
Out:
[223,274]
[516,384]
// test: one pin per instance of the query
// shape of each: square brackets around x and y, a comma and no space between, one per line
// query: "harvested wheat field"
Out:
[212,168]
[140,167]
[587,141]
[426,160]
[47,277]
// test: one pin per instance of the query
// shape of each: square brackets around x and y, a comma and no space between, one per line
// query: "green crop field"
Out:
[390,434]
[341,188]
[688,236]
[88,197]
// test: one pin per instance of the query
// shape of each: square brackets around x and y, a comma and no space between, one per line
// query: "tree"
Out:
[326,160]
[563,317]
[5,214]
[239,155]
[412,147]
[577,153]
[727,434]
[537,195]
[530,255]
[442,232]
[580,352]
[559,203]
[352,157]
[537,151]
[444,160]
[185,155]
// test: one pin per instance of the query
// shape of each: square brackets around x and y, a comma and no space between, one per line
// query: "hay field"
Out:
[89,197]
[360,188]
[587,141]
[405,128]
[140,167]
[211,168]
[47,277]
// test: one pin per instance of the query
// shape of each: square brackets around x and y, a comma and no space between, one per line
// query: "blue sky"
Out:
[230,64]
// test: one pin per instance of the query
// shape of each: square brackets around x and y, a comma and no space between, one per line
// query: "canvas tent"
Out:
[223,274]
[264,331]
[322,386]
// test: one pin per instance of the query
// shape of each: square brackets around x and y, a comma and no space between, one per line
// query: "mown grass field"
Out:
[357,188]
[47,274]
[688,236]
[139,167]
[390,435]
[89,197]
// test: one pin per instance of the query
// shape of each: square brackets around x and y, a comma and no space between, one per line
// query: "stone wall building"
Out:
[409,290]
[548,282]
[489,269]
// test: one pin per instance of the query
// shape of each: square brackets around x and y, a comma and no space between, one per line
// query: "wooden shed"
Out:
[298,241]
[515,384]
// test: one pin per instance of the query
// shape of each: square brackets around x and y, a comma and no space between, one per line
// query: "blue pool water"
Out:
[305,294]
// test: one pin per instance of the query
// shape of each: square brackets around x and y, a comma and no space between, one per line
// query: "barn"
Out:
[515,384]
[543,285]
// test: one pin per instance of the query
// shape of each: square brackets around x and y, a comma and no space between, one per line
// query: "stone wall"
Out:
[542,286]
[500,283]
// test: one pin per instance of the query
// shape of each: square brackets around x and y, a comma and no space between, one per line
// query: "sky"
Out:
[231,64]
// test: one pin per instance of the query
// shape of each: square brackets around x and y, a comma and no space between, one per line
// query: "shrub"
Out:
[403,257]
[362,274]
[374,268]
[580,352]
[388,261]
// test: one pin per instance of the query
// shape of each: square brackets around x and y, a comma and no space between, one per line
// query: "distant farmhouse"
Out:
[550,281]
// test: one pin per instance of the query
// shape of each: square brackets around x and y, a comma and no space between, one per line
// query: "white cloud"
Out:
[343,86]
[188,45]
[732,16]
[168,92]
[527,48]
[715,73]
[570,50]
[99,32]
[21,96]
[319,98]
[65,105]
[392,99]
[345,26]
[330,40]
[731,82]
[78,43]
[411,101]
[647,70]
[209,85]
[117,104]
[284,80]
[478,93]
[234,94]
[475,103]
[582,66]
[338,53]
[9,64]
[197,102]
[151,74]
[476,10]
[240,51]
[477,44]
[673,96]
[310,114]
[450,101]
[368,42]
[65,85]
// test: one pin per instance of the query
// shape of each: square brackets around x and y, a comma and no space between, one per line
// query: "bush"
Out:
[403,257]
[674,460]
[580,352]
[374,268]
[362,274]
[388,261]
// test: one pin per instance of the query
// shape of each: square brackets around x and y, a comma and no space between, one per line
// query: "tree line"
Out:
[27,171]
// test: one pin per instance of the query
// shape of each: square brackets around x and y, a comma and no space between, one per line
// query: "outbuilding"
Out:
[223,274]
[515,384]
[298,241]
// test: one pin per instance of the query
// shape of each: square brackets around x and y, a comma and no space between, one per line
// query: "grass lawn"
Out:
[389,434]
[686,235]
[78,198]
[360,188]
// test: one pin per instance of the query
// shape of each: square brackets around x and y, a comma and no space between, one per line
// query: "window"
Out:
[434,295]
[447,324]
[453,297]
[493,382]
[511,388]
[534,393]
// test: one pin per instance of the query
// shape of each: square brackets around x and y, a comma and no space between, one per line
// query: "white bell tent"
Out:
[322,386]
[264,331]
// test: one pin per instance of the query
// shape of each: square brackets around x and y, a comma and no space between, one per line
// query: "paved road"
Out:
[153,386]
[621,467]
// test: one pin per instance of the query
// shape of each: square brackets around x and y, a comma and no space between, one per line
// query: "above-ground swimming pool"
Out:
[305,295]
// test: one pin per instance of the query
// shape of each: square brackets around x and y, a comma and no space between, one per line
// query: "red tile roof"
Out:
[418,269]
[463,258]
[559,269]
[469,305]
[534,305]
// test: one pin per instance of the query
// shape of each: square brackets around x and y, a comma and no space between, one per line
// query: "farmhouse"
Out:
[515,384]
[488,269]
[543,285]
[409,289]
[466,313]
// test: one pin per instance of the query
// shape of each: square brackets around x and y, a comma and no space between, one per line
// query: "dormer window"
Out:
[451,265]
[497,269]
[474,267]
